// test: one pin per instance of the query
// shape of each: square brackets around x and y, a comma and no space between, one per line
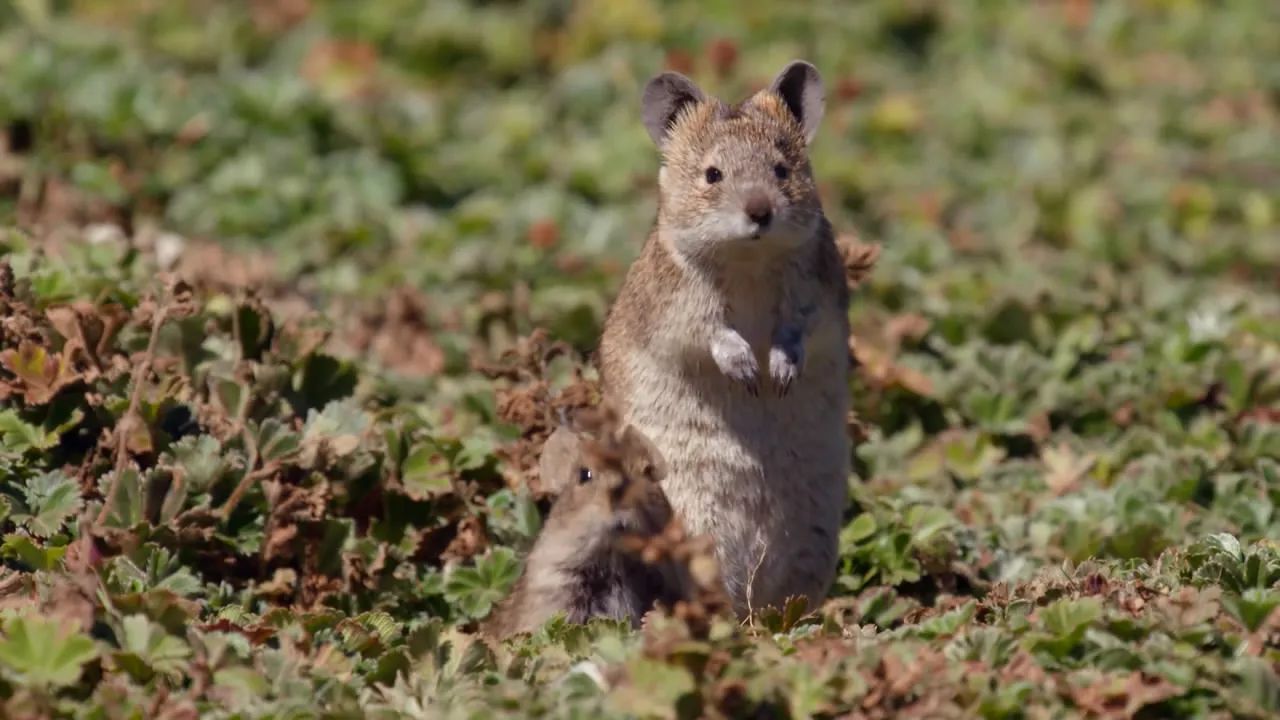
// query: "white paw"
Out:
[784,366]
[733,355]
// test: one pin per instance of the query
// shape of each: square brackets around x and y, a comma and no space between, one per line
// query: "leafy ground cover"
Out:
[291,291]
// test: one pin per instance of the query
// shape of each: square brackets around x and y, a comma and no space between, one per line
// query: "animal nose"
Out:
[760,210]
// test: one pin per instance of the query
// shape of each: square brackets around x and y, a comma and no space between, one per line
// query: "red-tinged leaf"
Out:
[42,374]
[257,634]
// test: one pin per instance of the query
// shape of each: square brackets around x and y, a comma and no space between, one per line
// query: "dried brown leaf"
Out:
[859,258]
[470,541]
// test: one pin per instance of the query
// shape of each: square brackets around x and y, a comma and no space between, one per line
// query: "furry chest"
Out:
[750,302]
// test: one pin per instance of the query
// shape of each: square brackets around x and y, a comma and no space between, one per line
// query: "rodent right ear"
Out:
[642,456]
[664,97]
[800,87]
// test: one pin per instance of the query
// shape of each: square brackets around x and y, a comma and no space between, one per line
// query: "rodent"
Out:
[583,563]
[727,344]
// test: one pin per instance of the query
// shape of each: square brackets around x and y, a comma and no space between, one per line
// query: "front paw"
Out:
[733,355]
[785,363]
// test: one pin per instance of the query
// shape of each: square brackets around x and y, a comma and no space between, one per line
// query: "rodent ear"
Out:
[641,456]
[800,87]
[561,456]
[664,97]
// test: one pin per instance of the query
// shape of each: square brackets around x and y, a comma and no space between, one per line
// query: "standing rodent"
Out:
[727,344]
[608,497]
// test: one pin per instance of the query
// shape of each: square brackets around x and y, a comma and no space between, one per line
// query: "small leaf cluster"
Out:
[280,283]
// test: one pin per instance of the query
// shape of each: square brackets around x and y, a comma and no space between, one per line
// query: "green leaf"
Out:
[476,589]
[146,649]
[927,523]
[971,455]
[165,571]
[36,557]
[1223,544]
[1255,683]
[340,426]
[651,689]
[151,567]
[44,653]
[51,285]
[51,498]
[34,12]
[276,441]
[1065,623]
[807,692]
[383,625]
[513,515]
[232,395]
[126,506]
[946,624]
[255,329]
[477,451]
[322,379]
[18,437]
[241,685]
[1238,384]
[782,620]
[863,527]
[1066,617]
[426,473]
[1252,607]
[201,461]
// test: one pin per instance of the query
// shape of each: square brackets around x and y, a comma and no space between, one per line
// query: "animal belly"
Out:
[806,470]
[766,478]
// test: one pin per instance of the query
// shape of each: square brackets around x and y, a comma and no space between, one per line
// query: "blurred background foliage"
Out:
[460,147]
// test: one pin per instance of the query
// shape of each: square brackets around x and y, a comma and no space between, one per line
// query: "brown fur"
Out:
[585,562]
[698,347]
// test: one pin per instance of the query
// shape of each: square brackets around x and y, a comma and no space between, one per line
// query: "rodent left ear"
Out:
[664,97]
[561,457]
[800,87]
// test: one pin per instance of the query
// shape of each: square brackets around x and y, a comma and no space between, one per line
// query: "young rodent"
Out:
[727,344]
[582,563]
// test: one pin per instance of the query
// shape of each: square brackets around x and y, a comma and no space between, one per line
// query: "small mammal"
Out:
[582,564]
[727,343]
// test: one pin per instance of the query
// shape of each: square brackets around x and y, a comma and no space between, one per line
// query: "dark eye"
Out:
[780,171]
[714,175]
[584,475]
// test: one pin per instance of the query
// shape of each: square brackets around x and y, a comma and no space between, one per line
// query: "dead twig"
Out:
[251,475]
[751,582]
[11,581]
[131,414]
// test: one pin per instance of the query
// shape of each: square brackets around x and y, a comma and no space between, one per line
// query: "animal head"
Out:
[606,478]
[736,177]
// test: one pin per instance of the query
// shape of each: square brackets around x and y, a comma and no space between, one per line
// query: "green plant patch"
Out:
[291,293]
